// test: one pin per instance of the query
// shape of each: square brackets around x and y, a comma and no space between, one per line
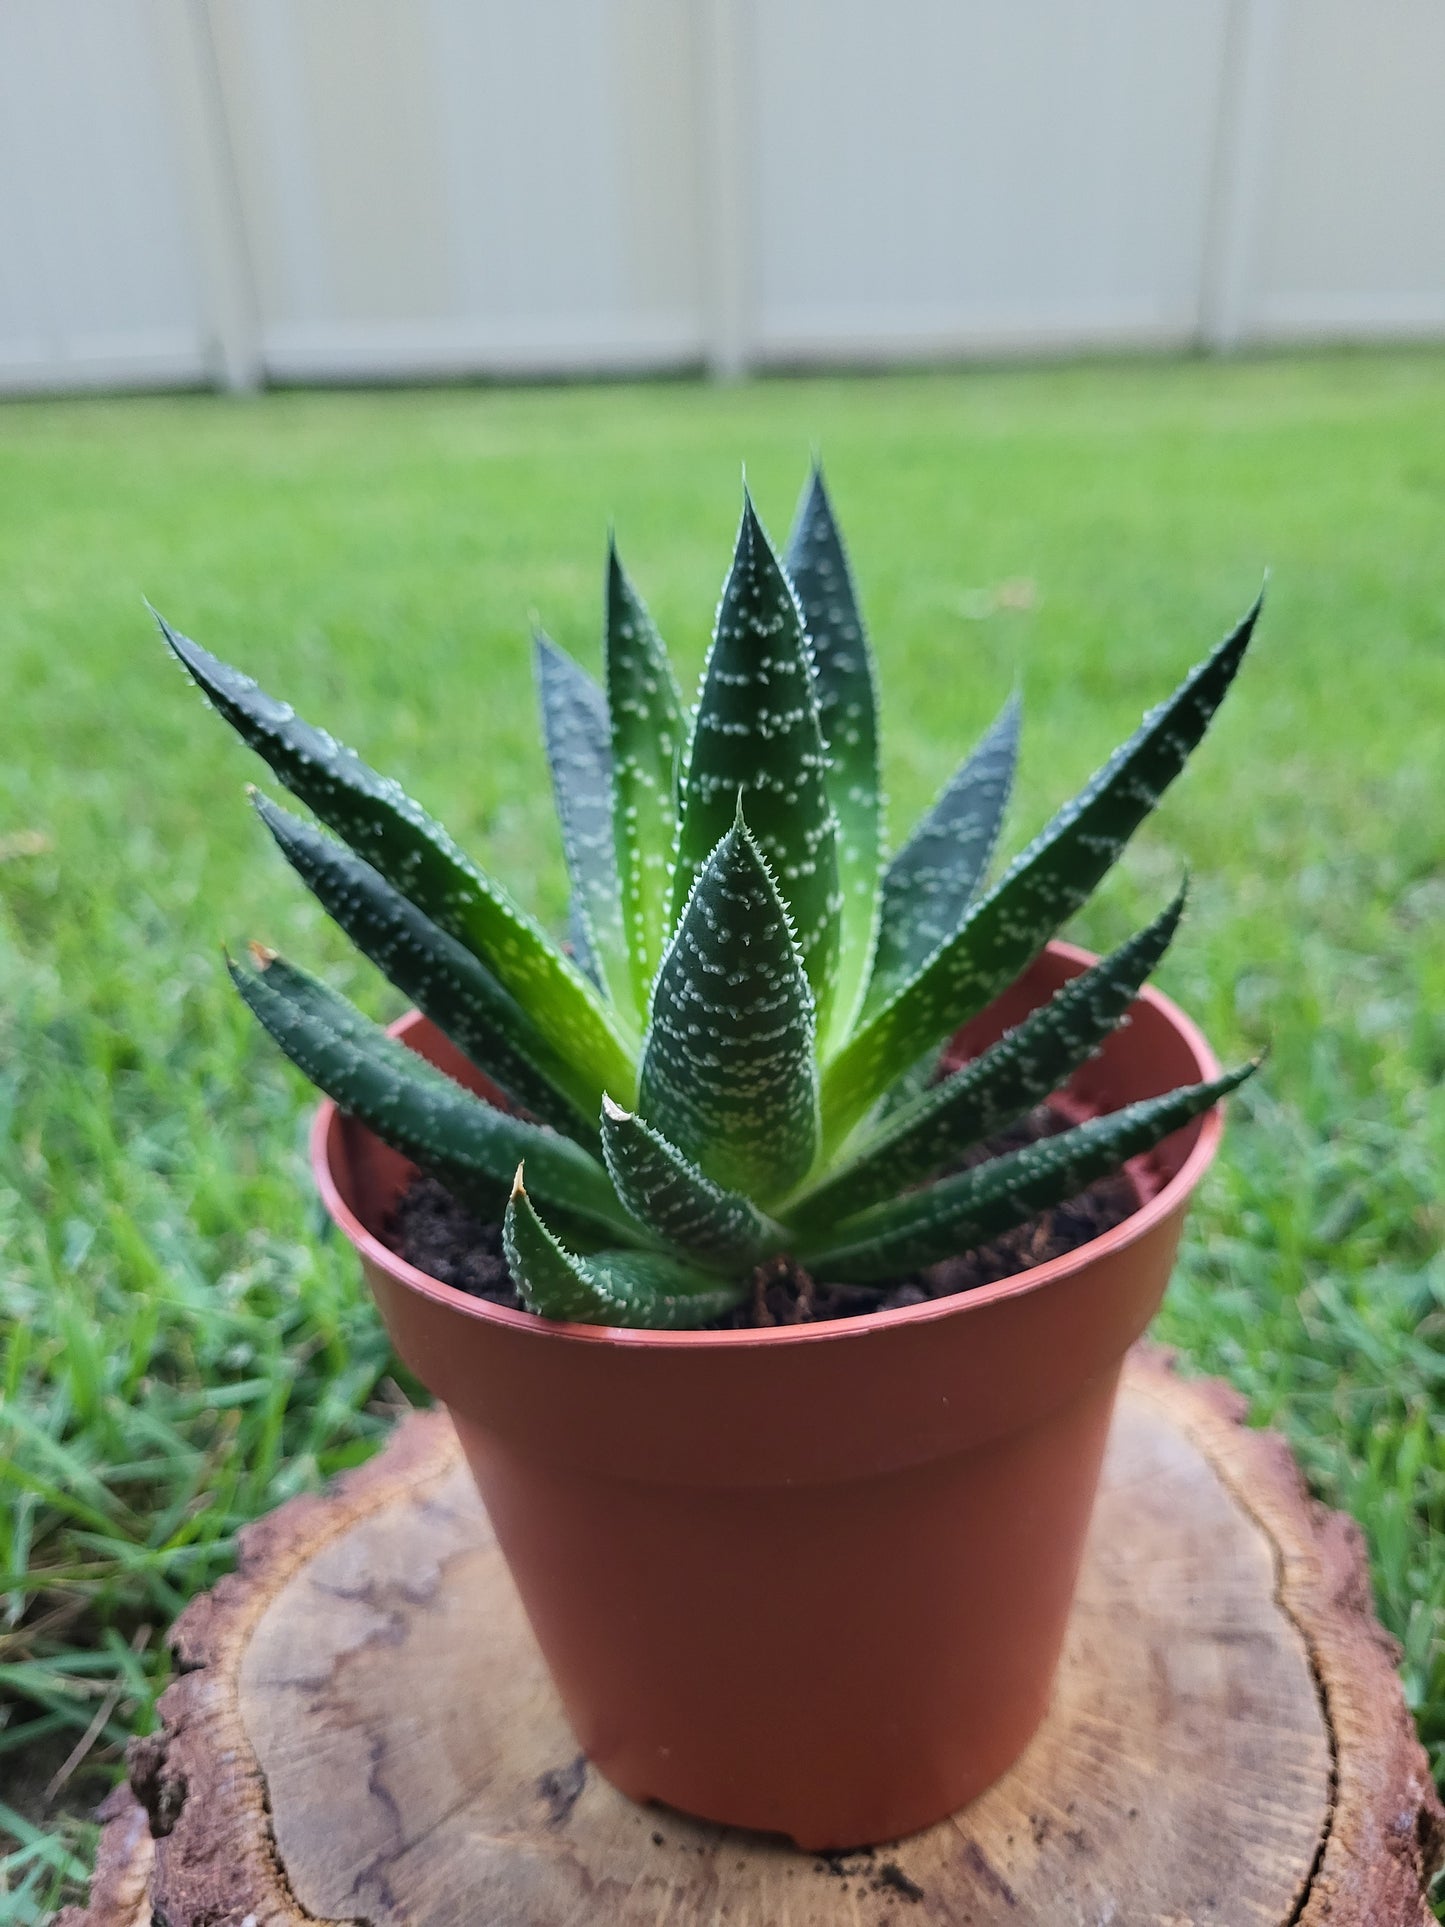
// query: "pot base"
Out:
[887,1823]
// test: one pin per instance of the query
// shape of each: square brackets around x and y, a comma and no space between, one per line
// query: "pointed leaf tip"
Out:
[576,728]
[932,881]
[1039,891]
[619,1287]
[961,1210]
[438,974]
[703,1222]
[728,1071]
[932,1126]
[816,564]
[758,729]
[647,729]
[414,854]
[470,1144]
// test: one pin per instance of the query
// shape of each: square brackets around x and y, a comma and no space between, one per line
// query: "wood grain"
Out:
[366,1733]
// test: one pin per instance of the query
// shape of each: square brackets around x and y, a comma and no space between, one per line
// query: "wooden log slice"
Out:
[364,1731]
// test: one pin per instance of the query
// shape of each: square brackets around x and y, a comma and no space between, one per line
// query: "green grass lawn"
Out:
[184,1347]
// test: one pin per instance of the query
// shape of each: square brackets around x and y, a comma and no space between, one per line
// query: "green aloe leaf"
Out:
[1001,1084]
[459,994]
[915,1080]
[579,756]
[470,1145]
[960,1212]
[632,1288]
[843,674]
[416,856]
[648,730]
[1043,887]
[728,1070]
[935,876]
[579,947]
[720,1230]
[757,734]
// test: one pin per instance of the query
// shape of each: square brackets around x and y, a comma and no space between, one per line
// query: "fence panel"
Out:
[98,274]
[236,190]
[1352,222]
[981,178]
[451,185]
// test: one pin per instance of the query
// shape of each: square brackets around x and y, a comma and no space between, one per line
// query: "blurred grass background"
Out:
[184,1347]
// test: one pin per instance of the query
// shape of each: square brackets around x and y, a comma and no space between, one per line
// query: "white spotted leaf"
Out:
[717,1229]
[440,976]
[470,1145]
[579,756]
[415,855]
[627,1288]
[930,1130]
[728,1069]
[647,731]
[1039,891]
[961,1212]
[935,876]
[817,566]
[757,735]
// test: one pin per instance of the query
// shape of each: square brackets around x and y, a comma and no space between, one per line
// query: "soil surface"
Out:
[441,1237]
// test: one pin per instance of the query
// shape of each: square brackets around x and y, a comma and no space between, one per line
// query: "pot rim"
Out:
[1167,1199]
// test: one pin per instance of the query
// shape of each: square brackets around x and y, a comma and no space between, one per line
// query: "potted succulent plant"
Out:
[795,1503]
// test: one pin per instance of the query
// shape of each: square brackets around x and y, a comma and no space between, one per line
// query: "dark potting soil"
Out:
[442,1238]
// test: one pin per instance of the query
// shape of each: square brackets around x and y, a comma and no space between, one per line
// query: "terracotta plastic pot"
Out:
[811,1580]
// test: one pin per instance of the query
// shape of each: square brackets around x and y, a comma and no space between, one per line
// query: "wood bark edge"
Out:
[193,1827]
[209,1844]
[1385,1837]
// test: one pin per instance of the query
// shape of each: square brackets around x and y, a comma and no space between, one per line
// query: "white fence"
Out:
[232,191]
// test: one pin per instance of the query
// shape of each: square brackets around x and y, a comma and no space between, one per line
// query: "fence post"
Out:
[1243,150]
[723,164]
[186,37]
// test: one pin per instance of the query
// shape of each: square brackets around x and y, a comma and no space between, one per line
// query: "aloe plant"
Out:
[735,1058]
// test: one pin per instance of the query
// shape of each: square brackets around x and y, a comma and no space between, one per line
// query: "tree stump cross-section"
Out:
[364,1731]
